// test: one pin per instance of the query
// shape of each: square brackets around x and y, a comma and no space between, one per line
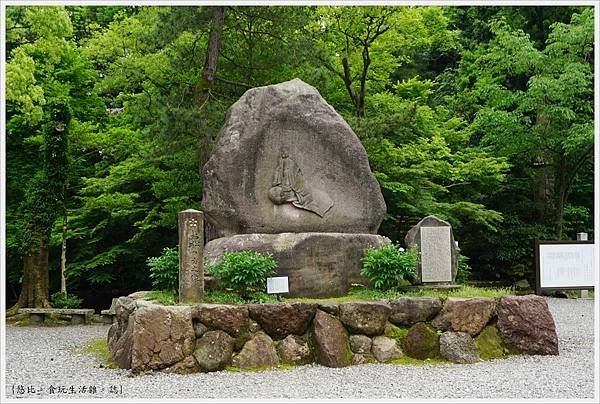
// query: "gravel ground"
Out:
[40,358]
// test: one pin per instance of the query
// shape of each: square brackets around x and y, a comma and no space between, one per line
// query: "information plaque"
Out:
[564,264]
[278,285]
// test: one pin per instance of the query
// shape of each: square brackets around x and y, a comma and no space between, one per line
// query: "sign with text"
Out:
[278,285]
[564,265]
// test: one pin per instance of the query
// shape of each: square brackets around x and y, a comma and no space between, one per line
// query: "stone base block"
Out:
[316,264]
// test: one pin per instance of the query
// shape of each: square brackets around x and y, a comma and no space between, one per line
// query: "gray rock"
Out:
[316,264]
[458,347]
[162,336]
[367,318]
[213,351]
[258,352]
[385,349]
[413,239]
[411,310]
[329,307]
[360,344]
[285,161]
[199,329]
[294,350]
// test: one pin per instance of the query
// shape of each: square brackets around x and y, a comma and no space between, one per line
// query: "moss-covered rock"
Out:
[421,342]
[489,344]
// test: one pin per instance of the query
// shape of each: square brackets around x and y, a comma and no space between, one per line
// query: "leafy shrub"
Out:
[389,265]
[60,300]
[463,272]
[164,270]
[245,271]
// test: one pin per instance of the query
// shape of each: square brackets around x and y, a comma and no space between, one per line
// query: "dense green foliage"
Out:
[389,265]
[245,272]
[482,116]
[164,270]
[60,300]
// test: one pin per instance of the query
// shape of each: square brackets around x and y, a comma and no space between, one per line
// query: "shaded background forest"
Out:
[482,116]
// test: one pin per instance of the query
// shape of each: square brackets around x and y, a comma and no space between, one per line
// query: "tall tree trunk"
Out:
[209,71]
[63,251]
[35,277]
[209,74]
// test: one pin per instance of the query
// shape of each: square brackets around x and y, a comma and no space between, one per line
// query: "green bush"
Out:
[164,270]
[463,272]
[245,272]
[60,300]
[387,266]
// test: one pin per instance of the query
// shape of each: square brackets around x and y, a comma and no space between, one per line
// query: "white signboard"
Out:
[566,265]
[278,285]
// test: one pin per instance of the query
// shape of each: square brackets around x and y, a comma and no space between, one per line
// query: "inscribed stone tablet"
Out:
[436,258]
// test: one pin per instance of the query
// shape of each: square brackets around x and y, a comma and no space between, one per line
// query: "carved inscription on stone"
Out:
[289,186]
[436,258]
[191,249]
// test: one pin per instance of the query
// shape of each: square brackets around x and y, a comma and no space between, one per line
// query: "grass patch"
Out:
[363,293]
[281,366]
[165,297]
[407,360]
[99,349]
[356,293]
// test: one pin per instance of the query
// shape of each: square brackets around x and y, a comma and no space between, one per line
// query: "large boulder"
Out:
[162,336]
[294,350]
[458,347]
[332,347]
[120,334]
[232,319]
[259,352]
[316,264]
[213,351]
[285,161]
[421,342]
[367,318]
[527,326]
[385,349]
[282,319]
[468,315]
[411,310]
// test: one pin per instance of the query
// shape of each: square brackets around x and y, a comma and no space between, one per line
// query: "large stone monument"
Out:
[433,238]
[289,176]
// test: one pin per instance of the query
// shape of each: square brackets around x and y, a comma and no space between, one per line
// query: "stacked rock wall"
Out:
[209,337]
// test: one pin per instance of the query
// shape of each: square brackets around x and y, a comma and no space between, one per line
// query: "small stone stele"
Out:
[435,242]
[191,252]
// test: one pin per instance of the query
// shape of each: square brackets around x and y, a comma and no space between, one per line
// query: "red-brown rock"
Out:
[468,315]
[526,325]
[232,319]
[282,319]
[332,347]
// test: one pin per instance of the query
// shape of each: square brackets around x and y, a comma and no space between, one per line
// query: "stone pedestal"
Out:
[191,247]
[316,264]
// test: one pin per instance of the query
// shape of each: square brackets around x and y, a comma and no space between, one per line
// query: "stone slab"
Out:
[317,264]
[436,257]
